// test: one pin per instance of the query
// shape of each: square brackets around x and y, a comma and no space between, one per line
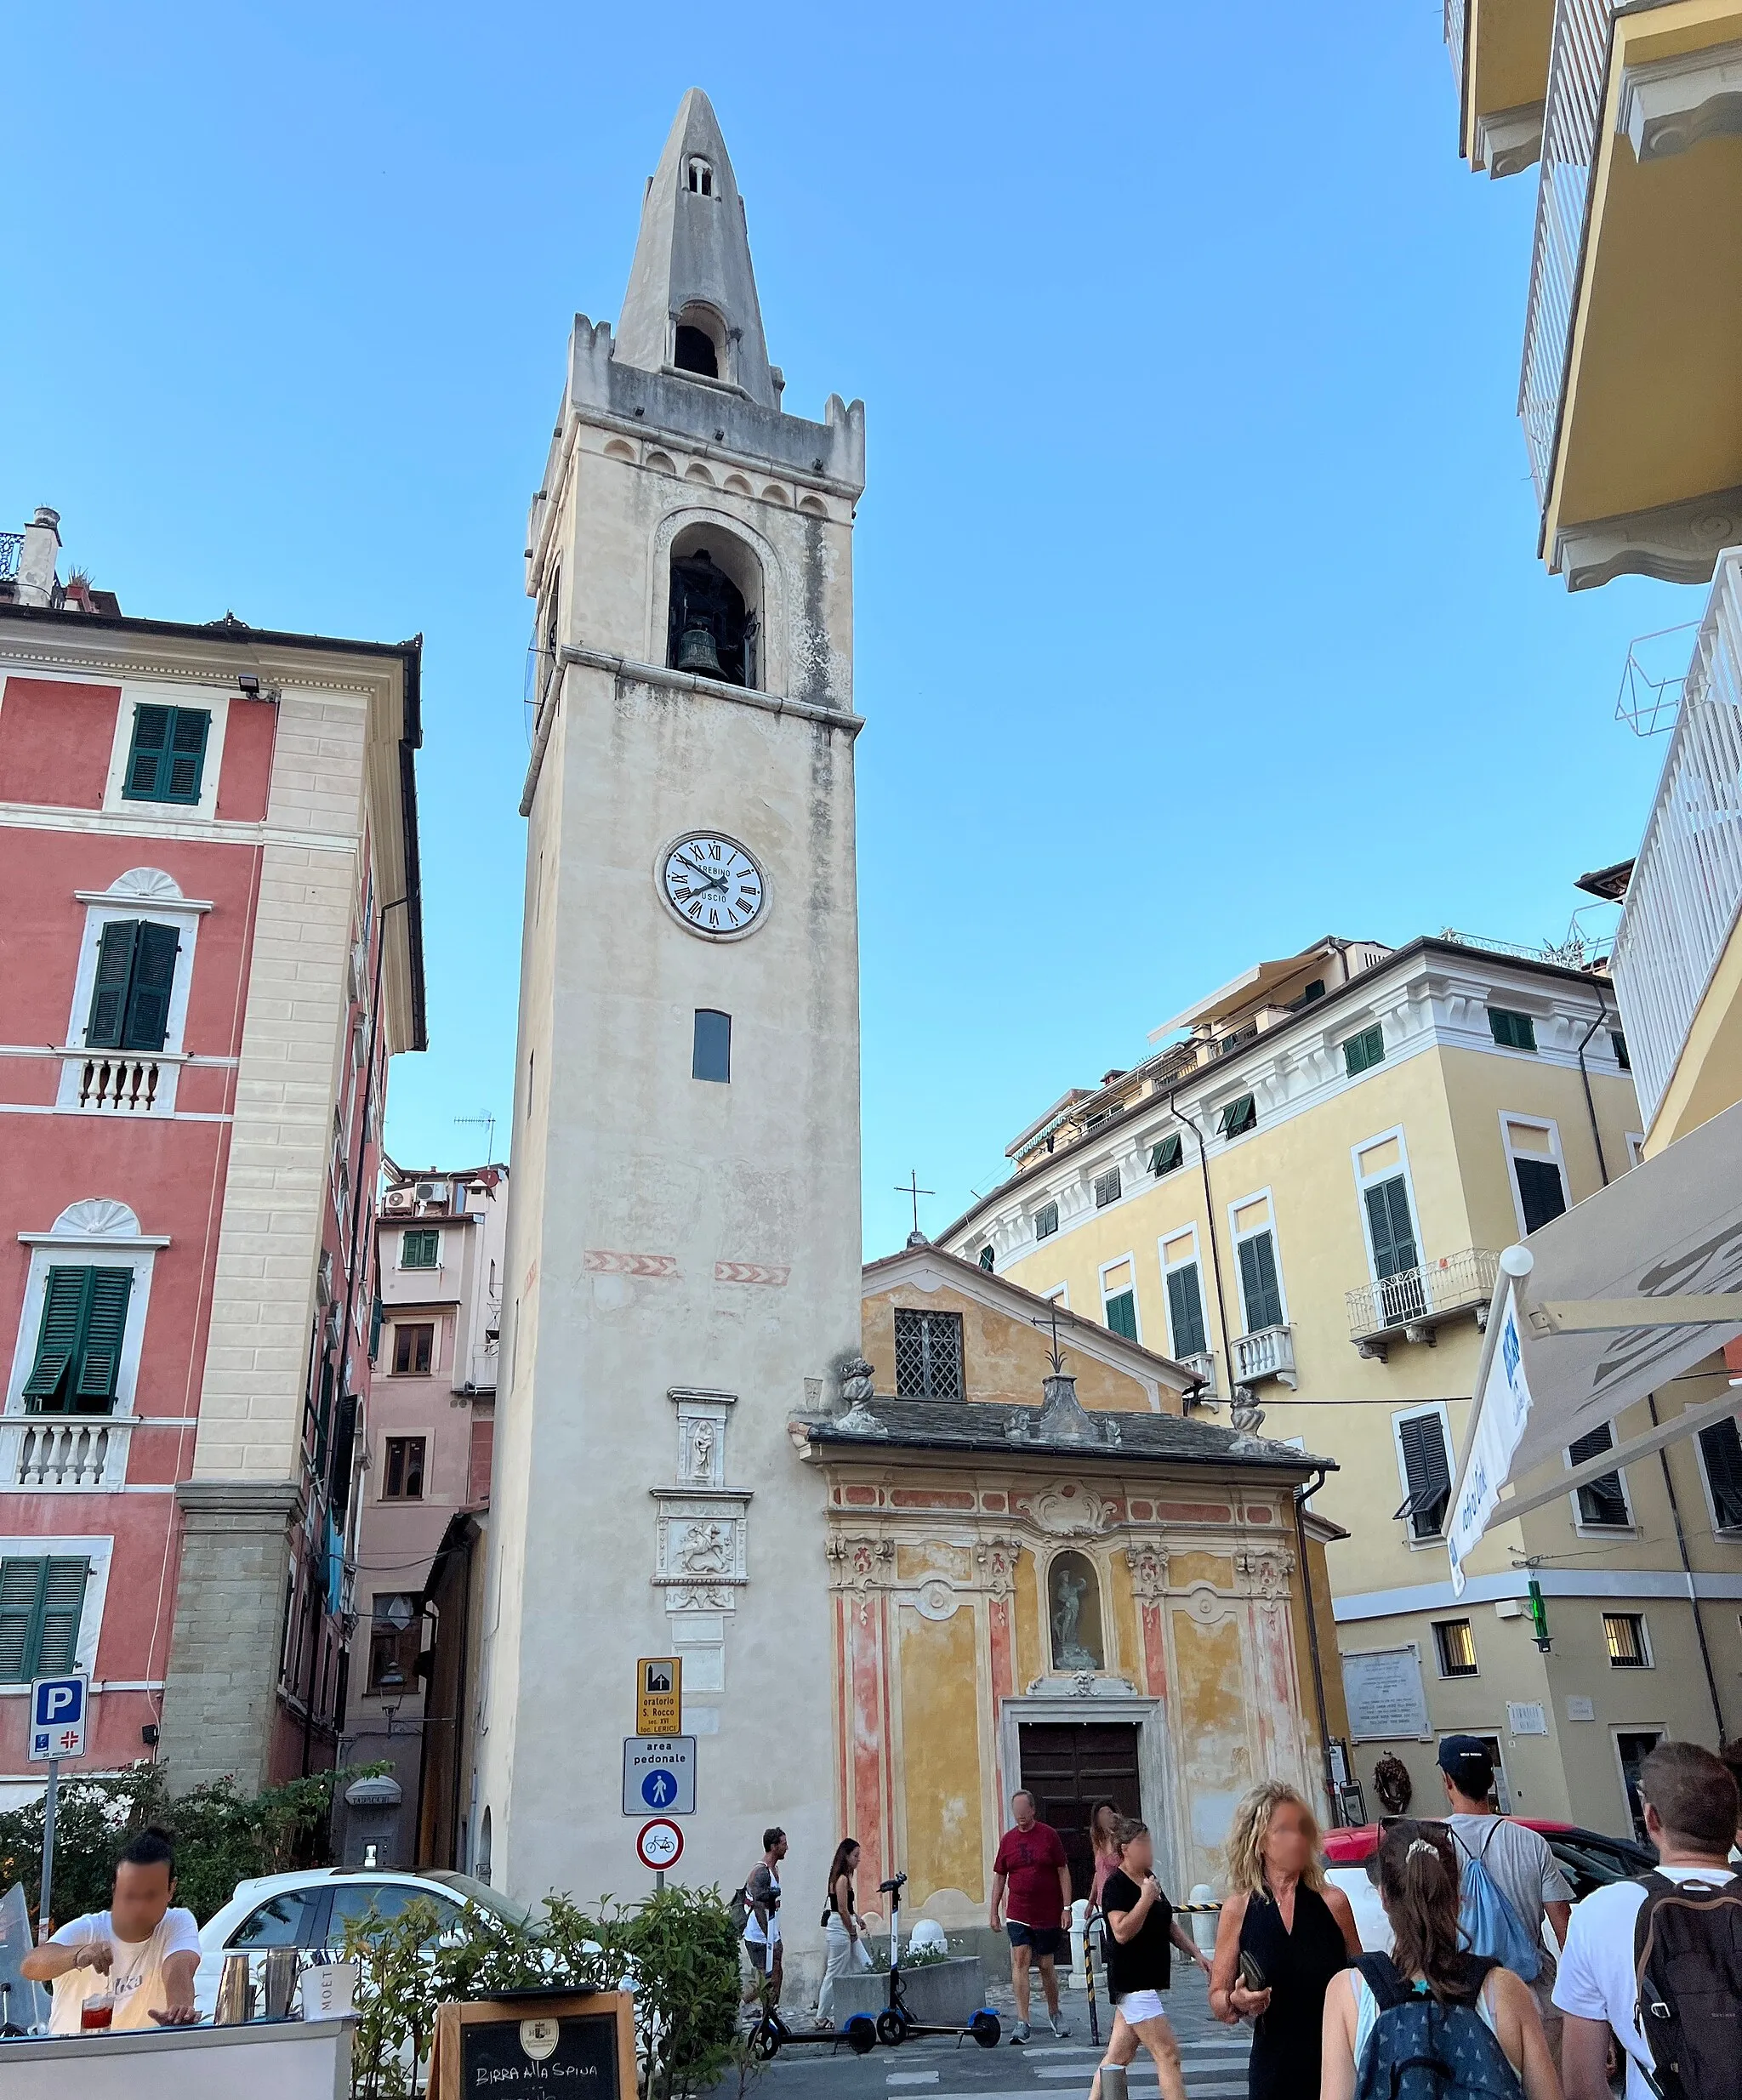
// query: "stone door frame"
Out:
[1154,1756]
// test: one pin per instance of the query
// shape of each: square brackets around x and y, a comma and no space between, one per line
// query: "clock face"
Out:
[714,884]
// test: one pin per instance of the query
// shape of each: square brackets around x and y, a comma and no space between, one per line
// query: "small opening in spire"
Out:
[694,351]
[701,175]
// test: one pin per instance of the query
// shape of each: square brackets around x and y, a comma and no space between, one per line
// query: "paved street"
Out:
[1214,2058]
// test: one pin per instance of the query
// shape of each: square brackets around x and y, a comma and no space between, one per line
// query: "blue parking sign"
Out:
[58,1708]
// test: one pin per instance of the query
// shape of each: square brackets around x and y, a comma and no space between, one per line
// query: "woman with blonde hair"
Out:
[1283,1935]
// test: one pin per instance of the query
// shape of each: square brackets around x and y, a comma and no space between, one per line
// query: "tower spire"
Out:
[691,303]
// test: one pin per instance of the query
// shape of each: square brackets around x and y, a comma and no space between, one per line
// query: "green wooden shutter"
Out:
[57,1625]
[1259,1286]
[1602,1500]
[152,728]
[1542,1194]
[1184,1311]
[1167,1155]
[1720,1447]
[1122,1314]
[1362,1052]
[65,1301]
[1428,1473]
[1392,1229]
[147,1020]
[105,1327]
[21,1594]
[114,974]
[186,760]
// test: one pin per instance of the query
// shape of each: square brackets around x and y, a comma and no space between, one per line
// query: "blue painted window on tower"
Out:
[713,1049]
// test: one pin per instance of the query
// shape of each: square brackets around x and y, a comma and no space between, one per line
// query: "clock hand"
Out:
[714,882]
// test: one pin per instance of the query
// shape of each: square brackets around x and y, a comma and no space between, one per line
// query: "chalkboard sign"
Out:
[558,2047]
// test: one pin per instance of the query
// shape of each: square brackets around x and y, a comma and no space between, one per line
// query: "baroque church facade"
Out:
[907,1564]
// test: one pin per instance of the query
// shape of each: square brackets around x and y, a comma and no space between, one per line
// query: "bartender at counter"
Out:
[140,1954]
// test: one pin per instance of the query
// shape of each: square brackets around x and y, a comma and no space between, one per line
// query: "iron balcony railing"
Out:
[1577,75]
[1685,888]
[1460,1283]
[11,546]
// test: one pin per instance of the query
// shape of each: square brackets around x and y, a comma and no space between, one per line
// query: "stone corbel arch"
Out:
[775,655]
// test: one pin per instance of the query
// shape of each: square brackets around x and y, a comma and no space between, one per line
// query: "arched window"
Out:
[699,343]
[701,177]
[1073,1614]
[713,623]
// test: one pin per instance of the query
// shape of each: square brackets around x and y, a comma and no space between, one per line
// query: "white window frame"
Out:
[142,893]
[1606,1531]
[1723,1534]
[1435,1542]
[1120,1261]
[100,1232]
[1636,1147]
[1193,1259]
[1236,1239]
[1365,1181]
[199,699]
[1059,1294]
[416,1225]
[99,1551]
[1604,1611]
[1509,1116]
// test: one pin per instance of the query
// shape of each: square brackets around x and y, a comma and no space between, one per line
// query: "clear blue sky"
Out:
[1198,608]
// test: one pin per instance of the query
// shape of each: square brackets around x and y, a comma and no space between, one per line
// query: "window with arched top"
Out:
[713,621]
[701,177]
[1074,1613]
[699,343]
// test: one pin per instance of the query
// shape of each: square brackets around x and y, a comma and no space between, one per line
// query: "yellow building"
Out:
[1629,392]
[1312,1187]
[1059,1582]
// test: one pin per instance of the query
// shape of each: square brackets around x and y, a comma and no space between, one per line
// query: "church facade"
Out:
[906,1566]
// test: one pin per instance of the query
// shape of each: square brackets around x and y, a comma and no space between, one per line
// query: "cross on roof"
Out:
[1050,1321]
[911,1187]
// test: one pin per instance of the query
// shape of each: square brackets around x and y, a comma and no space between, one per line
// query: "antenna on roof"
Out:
[488,1123]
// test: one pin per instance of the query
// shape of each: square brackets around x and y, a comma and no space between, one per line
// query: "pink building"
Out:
[441,1240]
[212,945]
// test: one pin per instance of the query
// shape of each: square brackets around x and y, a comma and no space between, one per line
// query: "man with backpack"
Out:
[1659,1960]
[1511,1878]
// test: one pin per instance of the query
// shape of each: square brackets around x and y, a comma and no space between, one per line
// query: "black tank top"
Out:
[1298,1966]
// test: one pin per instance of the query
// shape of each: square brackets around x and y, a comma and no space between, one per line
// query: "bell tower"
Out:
[684,1261]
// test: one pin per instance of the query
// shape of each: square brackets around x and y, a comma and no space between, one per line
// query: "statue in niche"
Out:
[1074,1613]
[704,1550]
[701,1435]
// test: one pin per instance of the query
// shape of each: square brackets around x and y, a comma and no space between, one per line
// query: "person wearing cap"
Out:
[1516,1859]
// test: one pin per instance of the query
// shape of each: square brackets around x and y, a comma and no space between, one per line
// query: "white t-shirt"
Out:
[136,1978]
[1596,1980]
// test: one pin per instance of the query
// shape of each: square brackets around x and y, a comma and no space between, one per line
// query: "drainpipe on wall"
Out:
[1301,1498]
[1602,1164]
[1711,1683]
[1221,1318]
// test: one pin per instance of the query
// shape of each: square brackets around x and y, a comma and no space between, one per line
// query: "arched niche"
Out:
[1073,1616]
[717,598]
[701,343]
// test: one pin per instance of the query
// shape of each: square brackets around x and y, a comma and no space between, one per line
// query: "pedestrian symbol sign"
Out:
[58,1717]
[658,1774]
[659,1690]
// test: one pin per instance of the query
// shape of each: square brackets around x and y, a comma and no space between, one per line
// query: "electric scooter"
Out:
[771,2035]
[895,2023]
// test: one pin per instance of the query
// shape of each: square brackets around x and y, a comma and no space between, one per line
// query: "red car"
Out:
[1588,1859]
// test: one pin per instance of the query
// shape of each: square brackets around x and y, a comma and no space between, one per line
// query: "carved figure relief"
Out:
[1147,1560]
[703,1434]
[997,1561]
[1267,1571]
[1074,1613]
[859,1564]
[703,1550]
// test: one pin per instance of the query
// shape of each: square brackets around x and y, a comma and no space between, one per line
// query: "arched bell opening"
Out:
[699,343]
[1073,1614]
[713,622]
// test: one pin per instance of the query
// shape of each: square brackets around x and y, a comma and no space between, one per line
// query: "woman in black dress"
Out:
[1283,1936]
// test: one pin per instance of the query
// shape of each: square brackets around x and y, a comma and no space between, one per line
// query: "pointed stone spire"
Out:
[692,261]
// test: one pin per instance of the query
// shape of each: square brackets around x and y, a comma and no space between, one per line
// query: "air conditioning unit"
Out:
[323,1280]
[397,1199]
[432,1192]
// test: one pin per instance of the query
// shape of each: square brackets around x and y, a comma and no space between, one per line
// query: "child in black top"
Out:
[1142,1931]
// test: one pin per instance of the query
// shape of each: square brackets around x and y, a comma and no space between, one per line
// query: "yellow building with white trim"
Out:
[1303,1200]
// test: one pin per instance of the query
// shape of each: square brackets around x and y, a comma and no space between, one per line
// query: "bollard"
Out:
[1079,1930]
[1112,2081]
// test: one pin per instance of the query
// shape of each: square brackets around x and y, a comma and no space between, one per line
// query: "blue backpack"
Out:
[1422,2049]
[1491,1927]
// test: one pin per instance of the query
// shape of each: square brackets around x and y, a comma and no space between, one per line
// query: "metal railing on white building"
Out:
[1578,69]
[1421,1297]
[1685,888]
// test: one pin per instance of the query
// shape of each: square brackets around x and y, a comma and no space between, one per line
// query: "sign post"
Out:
[58,1707]
[659,1694]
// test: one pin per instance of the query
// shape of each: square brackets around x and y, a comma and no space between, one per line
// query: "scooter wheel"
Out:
[985,2029]
[765,2040]
[860,2031]
[892,2026]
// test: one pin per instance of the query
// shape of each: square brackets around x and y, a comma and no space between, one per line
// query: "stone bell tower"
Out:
[684,1259]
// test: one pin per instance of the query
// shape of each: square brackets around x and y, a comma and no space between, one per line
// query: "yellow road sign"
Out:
[659,1689]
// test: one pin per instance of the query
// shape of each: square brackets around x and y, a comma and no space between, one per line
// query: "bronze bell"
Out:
[696,651]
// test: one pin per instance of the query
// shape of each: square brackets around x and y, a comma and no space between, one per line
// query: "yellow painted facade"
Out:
[1505,65]
[1452,1113]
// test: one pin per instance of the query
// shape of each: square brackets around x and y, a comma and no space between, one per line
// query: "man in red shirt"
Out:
[1031,1862]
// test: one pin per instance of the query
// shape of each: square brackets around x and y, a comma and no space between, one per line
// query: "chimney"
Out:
[37,556]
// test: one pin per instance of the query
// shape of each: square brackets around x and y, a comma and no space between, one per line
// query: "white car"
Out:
[310,1909]
[1370,1920]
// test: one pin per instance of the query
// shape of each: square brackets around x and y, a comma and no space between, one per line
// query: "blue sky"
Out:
[1198,612]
